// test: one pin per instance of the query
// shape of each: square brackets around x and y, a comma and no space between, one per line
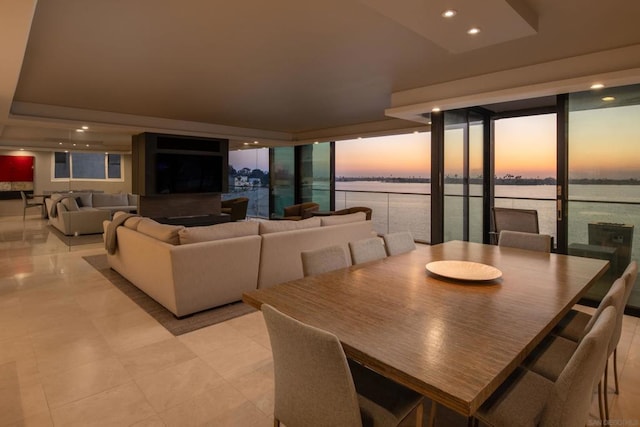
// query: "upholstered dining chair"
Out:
[574,324]
[325,259]
[399,242]
[366,250]
[26,204]
[525,220]
[522,240]
[550,358]
[315,387]
[528,398]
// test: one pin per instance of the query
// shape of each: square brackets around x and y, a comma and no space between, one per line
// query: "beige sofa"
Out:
[192,269]
[83,213]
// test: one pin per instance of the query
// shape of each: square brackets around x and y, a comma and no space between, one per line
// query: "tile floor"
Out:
[75,352]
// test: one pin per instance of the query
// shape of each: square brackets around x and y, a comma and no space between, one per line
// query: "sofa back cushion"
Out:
[343,219]
[84,199]
[267,227]
[218,232]
[163,232]
[105,199]
[70,204]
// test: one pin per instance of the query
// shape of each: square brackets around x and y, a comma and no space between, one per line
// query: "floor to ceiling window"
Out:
[604,180]
[389,174]
[249,177]
[315,174]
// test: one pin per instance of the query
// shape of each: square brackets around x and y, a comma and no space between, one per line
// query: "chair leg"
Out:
[432,415]
[276,422]
[419,415]
[600,408]
[605,397]
[615,368]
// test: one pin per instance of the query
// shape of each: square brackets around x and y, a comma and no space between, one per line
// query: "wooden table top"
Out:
[453,342]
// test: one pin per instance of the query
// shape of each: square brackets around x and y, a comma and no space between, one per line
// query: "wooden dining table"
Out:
[451,340]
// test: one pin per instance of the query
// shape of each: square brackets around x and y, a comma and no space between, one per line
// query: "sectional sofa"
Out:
[84,212]
[192,269]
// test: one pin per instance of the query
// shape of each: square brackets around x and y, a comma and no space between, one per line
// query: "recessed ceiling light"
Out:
[597,86]
[608,99]
[245,143]
[79,130]
[74,145]
[87,145]
[316,142]
[449,13]
[255,142]
[22,149]
[474,30]
[85,127]
[59,143]
[429,122]
[435,109]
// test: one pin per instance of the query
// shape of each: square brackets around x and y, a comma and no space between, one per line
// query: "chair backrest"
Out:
[630,275]
[366,250]
[24,198]
[313,384]
[525,220]
[399,242]
[522,240]
[569,402]
[613,298]
[324,259]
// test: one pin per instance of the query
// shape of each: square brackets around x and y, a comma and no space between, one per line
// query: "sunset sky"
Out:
[604,143]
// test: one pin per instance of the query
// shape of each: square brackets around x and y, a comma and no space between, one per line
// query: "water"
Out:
[393,211]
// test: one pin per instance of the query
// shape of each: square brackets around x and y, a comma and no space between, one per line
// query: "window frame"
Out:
[106,157]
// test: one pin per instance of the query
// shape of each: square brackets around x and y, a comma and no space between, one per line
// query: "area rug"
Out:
[162,315]
[84,239]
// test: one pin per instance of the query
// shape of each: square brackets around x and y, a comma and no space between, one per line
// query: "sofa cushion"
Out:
[70,204]
[86,199]
[343,219]
[106,199]
[163,232]
[131,223]
[218,232]
[132,199]
[278,226]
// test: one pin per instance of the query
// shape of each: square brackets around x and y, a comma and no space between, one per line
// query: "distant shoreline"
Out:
[497,181]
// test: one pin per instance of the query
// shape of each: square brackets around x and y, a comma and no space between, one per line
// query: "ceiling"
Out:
[285,72]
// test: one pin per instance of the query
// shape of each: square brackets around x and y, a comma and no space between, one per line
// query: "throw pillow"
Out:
[70,204]
[218,232]
[79,202]
[343,219]
[164,232]
[267,227]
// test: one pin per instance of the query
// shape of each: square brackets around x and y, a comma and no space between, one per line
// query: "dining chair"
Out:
[325,259]
[316,386]
[26,204]
[399,242]
[522,240]
[573,325]
[550,358]
[525,220]
[528,398]
[366,250]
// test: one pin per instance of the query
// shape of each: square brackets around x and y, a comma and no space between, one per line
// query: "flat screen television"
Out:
[188,173]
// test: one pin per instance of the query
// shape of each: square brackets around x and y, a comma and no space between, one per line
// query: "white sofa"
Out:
[192,269]
[83,212]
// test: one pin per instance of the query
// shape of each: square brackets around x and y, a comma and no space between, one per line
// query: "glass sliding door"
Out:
[463,175]
[315,174]
[604,181]
[525,166]
[249,177]
[282,191]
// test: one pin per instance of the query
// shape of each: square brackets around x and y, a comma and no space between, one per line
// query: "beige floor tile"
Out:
[258,387]
[205,408]
[71,354]
[104,302]
[120,406]
[250,324]
[19,401]
[245,415]
[41,419]
[179,383]
[154,421]
[83,381]
[232,362]
[130,330]
[155,357]
[213,338]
